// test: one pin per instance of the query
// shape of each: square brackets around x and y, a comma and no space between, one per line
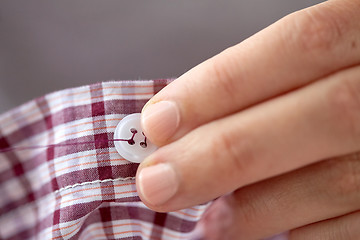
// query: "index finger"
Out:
[294,51]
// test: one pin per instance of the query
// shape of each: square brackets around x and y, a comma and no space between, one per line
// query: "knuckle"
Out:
[226,74]
[237,151]
[344,101]
[250,210]
[316,28]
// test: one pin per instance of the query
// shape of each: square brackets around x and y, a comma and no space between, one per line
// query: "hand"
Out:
[272,125]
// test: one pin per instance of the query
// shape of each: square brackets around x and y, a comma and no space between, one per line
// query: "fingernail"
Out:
[157,183]
[161,119]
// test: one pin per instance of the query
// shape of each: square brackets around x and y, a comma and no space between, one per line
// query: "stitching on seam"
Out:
[93,182]
[60,190]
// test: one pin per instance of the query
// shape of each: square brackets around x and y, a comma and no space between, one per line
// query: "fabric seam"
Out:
[66,188]
[92,182]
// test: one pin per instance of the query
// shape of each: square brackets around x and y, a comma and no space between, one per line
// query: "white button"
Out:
[135,147]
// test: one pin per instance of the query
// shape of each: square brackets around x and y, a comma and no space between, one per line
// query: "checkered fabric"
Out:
[84,191]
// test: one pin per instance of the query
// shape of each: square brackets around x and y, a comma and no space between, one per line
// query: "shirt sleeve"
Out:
[79,191]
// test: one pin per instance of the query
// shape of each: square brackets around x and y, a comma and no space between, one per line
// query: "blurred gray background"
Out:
[51,45]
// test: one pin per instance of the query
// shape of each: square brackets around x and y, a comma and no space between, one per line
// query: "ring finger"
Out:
[315,193]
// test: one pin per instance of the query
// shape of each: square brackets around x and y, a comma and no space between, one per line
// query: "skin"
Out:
[271,128]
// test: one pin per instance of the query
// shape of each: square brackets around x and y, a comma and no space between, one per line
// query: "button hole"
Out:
[143,144]
[131,141]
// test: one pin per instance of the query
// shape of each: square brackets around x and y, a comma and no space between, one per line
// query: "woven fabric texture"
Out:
[83,191]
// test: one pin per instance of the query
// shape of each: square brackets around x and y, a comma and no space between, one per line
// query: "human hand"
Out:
[272,125]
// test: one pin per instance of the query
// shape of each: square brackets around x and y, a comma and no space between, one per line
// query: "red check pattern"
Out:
[84,191]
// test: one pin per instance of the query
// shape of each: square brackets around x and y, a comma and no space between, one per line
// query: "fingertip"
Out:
[160,120]
[157,184]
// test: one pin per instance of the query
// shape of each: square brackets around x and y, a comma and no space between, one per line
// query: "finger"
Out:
[345,227]
[296,50]
[315,193]
[317,122]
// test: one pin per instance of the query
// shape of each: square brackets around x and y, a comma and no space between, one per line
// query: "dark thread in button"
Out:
[131,140]
[143,144]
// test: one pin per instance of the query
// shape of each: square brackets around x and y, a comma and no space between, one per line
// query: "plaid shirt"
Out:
[84,191]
